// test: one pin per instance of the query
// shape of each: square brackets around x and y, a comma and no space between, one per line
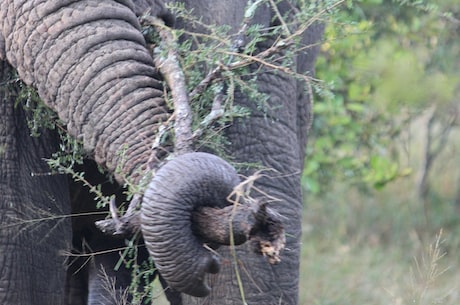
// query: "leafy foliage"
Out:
[382,63]
[40,116]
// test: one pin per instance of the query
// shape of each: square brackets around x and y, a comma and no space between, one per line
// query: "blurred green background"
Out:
[382,175]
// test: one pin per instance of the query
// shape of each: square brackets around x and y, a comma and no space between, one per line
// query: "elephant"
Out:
[89,62]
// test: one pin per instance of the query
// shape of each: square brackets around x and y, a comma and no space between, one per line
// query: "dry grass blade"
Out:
[427,270]
[118,296]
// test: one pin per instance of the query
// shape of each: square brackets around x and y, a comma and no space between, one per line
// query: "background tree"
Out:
[384,64]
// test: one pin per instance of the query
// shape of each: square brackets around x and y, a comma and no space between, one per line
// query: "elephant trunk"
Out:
[180,187]
[89,63]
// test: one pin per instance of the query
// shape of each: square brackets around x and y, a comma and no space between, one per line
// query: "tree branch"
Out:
[122,226]
[166,60]
[216,113]
[252,221]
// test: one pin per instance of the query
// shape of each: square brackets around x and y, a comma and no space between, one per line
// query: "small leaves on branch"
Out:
[226,55]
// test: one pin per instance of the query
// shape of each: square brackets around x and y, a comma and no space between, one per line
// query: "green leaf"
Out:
[312,185]
[356,107]
[310,167]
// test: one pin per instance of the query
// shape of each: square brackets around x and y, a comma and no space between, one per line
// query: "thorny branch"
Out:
[216,73]
[216,112]
[245,60]
[123,226]
[167,61]
[254,221]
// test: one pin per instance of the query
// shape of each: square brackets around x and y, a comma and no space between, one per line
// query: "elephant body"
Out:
[89,63]
[31,272]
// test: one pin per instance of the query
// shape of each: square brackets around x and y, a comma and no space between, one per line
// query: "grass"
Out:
[386,247]
[379,249]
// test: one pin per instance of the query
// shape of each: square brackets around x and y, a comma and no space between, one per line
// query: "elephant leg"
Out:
[107,286]
[173,296]
[77,281]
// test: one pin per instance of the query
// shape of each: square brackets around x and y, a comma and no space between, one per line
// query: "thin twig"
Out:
[216,113]
[280,18]
[204,84]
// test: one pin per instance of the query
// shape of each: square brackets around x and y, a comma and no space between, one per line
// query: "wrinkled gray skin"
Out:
[89,63]
[26,257]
